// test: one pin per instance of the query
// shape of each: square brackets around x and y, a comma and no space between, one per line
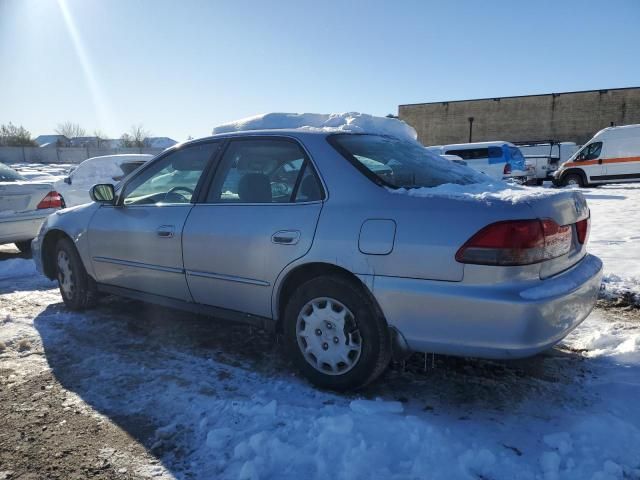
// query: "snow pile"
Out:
[352,122]
[16,268]
[615,287]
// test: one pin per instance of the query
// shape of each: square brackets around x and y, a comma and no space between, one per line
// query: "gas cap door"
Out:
[377,236]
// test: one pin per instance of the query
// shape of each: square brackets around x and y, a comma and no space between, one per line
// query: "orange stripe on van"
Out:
[604,161]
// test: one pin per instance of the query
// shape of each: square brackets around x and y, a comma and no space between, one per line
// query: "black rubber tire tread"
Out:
[578,178]
[376,339]
[85,294]
[24,247]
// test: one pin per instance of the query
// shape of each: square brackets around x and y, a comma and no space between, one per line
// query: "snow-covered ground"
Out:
[615,237]
[213,400]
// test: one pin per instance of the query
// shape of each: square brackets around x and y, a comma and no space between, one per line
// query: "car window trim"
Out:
[204,193]
[212,158]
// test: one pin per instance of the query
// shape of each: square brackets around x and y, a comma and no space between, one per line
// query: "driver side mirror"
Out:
[103,193]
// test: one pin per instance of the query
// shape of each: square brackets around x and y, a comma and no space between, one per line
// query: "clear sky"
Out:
[182,67]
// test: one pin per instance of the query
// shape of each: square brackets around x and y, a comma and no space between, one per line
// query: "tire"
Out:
[24,247]
[364,342]
[572,179]
[77,288]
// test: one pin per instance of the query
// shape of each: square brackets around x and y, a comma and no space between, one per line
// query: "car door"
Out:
[258,215]
[589,160]
[137,244]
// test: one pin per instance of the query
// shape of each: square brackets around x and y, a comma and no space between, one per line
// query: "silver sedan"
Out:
[334,241]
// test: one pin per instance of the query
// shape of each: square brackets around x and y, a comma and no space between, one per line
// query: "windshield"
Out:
[401,163]
[9,175]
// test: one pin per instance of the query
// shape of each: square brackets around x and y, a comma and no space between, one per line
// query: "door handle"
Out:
[165,231]
[286,237]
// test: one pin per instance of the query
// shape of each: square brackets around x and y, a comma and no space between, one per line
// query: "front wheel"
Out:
[335,335]
[573,179]
[76,286]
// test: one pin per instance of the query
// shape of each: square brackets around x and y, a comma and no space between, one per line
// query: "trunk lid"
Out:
[18,197]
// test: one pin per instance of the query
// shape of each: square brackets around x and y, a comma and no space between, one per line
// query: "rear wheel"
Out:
[76,286]
[573,179]
[24,247]
[335,335]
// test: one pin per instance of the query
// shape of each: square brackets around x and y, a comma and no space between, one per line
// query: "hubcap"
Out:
[65,275]
[328,336]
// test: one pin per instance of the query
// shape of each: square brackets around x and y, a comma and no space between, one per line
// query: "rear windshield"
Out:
[401,163]
[9,175]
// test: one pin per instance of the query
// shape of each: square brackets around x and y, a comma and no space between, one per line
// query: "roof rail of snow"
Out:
[353,122]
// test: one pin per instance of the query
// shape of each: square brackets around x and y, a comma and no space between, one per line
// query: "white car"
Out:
[106,169]
[24,205]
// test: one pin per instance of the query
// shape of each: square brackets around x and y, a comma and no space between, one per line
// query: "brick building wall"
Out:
[571,116]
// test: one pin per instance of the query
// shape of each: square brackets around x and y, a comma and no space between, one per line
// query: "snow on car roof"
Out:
[352,122]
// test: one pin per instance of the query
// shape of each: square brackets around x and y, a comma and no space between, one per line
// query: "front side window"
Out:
[590,152]
[172,179]
[401,163]
[264,171]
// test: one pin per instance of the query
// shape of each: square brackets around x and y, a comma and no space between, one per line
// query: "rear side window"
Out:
[9,175]
[471,153]
[400,163]
[264,171]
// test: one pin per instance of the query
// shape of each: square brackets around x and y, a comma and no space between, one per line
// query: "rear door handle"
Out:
[286,237]
[166,231]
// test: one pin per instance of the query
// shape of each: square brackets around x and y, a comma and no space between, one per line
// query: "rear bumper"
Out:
[21,227]
[499,321]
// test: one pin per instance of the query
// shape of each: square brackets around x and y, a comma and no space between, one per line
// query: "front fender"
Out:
[71,222]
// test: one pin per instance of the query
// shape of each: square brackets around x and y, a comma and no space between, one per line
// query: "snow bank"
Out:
[333,122]
[16,267]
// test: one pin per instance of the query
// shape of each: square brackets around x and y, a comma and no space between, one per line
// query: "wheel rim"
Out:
[65,274]
[328,336]
[572,181]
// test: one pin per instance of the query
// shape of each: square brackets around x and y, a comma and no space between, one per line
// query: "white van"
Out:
[611,156]
[499,160]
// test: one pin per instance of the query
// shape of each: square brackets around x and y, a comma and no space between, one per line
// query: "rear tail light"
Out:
[582,229]
[507,169]
[51,200]
[516,242]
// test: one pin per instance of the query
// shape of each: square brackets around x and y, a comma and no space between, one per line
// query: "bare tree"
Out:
[70,130]
[100,137]
[14,136]
[136,137]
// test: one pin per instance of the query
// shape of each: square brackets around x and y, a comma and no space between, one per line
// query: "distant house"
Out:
[93,142]
[159,142]
[52,141]
[111,143]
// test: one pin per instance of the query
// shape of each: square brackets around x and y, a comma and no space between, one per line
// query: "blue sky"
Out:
[180,68]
